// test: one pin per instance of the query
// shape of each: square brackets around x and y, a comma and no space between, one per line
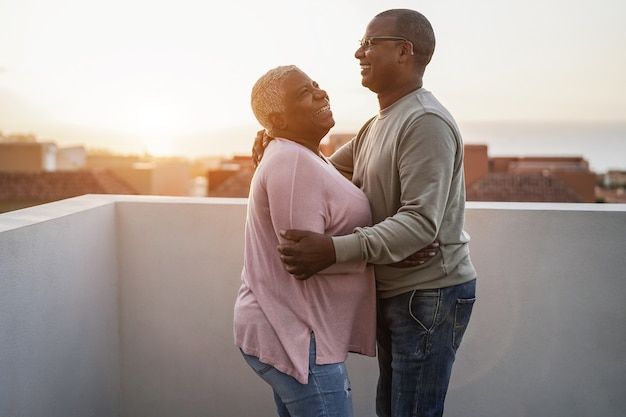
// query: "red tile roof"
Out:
[58,185]
[237,185]
[531,187]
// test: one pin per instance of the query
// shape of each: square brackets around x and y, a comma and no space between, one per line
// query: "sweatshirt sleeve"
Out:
[426,165]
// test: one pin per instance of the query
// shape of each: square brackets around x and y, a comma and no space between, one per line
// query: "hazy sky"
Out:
[154,68]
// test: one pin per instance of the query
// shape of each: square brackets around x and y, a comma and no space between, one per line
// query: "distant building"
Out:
[527,179]
[148,176]
[231,178]
[71,158]
[615,179]
[476,163]
[33,173]
[28,156]
[613,188]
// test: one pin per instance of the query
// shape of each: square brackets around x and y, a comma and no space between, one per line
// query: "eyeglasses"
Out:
[367,41]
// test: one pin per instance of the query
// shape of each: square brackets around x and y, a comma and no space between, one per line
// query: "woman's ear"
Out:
[278,120]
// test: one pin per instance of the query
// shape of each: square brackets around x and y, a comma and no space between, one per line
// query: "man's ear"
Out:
[407,52]
[278,120]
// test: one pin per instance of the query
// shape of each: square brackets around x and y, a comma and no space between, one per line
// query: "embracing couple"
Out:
[363,251]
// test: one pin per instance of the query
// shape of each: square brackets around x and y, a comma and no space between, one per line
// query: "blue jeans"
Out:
[326,395]
[418,335]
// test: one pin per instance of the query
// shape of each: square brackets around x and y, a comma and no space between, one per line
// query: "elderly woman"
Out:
[296,334]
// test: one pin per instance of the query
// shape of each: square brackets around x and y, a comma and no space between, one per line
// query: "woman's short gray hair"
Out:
[268,95]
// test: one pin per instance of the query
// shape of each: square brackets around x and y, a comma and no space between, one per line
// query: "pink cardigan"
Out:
[275,314]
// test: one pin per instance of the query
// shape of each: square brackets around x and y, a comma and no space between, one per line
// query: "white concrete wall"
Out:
[58,311]
[180,270]
[547,336]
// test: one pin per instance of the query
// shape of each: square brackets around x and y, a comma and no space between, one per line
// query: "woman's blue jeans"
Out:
[327,393]
[418,335]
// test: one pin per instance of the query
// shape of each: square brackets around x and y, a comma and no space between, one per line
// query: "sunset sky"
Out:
[162,73]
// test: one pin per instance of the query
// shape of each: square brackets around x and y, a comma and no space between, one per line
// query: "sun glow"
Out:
[159,145]
[155,123]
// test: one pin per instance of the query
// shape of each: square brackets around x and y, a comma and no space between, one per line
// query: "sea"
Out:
[602,144]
